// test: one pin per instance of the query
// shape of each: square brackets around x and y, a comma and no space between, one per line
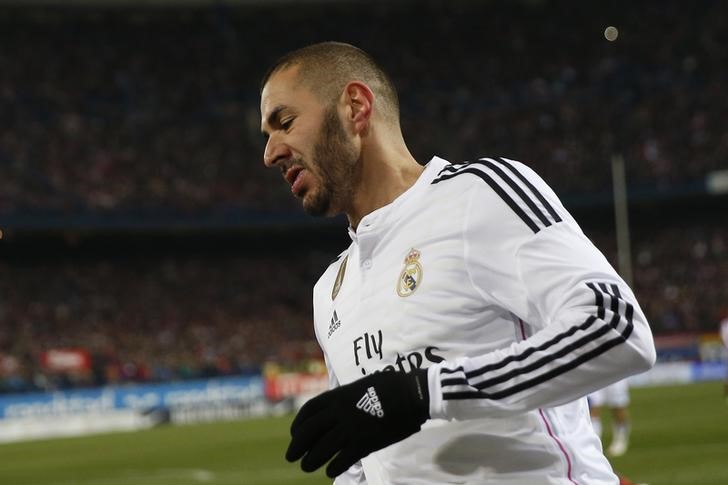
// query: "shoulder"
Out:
[342,255]
[493,174]
[336,262]
[334,267]
[504,189]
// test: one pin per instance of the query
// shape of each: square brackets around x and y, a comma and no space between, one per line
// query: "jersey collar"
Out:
[377,218]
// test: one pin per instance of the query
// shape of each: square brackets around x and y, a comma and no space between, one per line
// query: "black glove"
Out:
[356,419]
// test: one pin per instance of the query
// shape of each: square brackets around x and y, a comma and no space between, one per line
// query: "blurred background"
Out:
[153,271]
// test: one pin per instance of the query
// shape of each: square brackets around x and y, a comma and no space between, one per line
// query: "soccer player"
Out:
[615,397]
[470,316]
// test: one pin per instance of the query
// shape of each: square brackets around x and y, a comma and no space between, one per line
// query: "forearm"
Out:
[599,341]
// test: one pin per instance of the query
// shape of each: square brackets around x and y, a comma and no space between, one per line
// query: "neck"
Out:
[386,173]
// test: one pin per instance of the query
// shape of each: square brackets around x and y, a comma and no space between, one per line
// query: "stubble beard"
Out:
[335,161]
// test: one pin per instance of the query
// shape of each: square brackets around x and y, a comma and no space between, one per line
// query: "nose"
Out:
[275,151]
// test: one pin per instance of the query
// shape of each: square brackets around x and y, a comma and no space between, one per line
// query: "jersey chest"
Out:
[403,300]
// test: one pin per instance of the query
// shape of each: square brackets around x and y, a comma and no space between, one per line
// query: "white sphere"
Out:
[611,33]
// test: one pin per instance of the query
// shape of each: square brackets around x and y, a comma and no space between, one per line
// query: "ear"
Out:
[359,101]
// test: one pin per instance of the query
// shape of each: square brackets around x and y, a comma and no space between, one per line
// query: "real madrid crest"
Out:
[339,278]
[411,276]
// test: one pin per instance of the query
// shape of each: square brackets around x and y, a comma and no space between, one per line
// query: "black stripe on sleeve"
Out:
[529,351]
[536,380]
[532,188]
[599,303]
[496,188]
[476,390]
[516,188]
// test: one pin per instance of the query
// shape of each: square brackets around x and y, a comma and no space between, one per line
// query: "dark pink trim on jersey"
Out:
[548,426]
[561,447]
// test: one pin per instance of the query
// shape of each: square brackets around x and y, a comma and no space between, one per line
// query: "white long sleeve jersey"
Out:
[479,273]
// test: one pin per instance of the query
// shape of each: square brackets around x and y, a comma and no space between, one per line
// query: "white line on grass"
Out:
[192,475]
[144,476]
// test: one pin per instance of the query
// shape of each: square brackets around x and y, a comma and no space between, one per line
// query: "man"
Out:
[470,315]
[615,397]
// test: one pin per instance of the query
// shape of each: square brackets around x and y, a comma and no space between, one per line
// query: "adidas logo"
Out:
[369,403]
[334,324]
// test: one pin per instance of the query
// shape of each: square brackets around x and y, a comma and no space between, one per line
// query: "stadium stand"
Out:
[156,109]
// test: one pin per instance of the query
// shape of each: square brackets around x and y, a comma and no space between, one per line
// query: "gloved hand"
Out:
[356,419]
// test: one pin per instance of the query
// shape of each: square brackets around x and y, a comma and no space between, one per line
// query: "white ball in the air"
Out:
[611,33]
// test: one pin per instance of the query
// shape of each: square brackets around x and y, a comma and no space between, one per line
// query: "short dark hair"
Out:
[326,67]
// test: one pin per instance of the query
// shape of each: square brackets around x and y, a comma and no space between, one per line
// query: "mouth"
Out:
[294,176]
[292,173]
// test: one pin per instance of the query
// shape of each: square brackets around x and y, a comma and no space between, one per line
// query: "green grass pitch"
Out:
[680,436]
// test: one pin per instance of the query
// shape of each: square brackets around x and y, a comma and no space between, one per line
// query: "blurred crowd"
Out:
[679,273]
[148,319]
[144,109]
